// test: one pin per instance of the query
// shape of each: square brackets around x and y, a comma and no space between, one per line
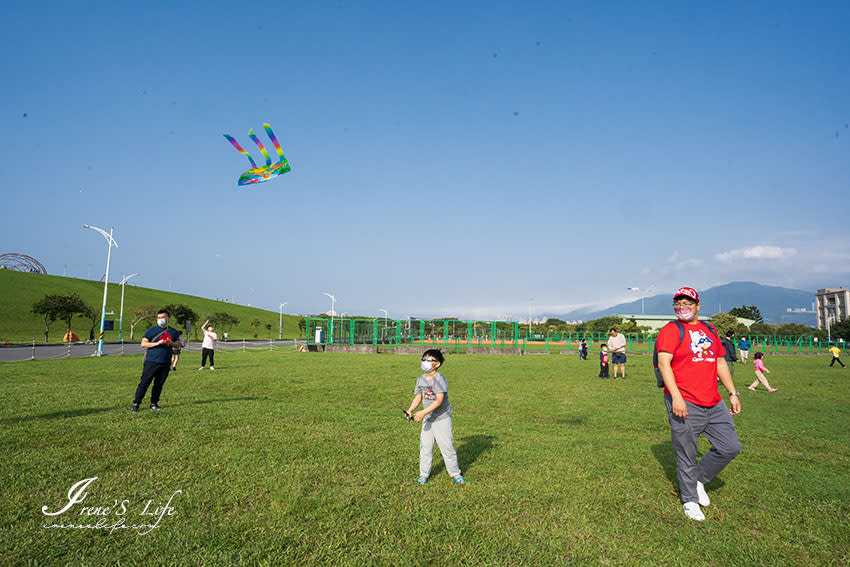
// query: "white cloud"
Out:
[756,253]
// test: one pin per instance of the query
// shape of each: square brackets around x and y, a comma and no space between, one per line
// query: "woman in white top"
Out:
[208,346]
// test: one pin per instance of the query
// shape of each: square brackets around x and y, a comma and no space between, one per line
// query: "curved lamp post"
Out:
[124,280]
[333,301]
[110,243]
[280,325]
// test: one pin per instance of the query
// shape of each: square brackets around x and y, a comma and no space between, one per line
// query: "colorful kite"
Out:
[260,174]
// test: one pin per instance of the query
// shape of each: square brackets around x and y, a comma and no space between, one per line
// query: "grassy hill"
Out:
[20,290]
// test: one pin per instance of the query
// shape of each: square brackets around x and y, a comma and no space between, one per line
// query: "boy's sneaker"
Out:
[422,480]
[201,368]
[135,408]
[155,407]
[460,480]
[212,367]
[693,511]
[702,497]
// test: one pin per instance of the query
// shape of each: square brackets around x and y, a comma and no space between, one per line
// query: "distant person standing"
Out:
[836,352]
[729,347]
[744,345]
[157,342]
[617,348]
[208,346]
[582,349]
[603,361]
[175,353]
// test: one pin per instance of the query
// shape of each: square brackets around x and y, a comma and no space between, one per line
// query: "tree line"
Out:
[65,306]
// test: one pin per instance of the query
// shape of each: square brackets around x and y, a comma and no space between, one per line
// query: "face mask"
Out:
[426,365]
[161,322]
[684,313]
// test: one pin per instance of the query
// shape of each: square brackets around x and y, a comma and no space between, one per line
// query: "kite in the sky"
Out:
[270,170]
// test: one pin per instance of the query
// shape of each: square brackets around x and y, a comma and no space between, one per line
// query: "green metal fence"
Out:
[456,335]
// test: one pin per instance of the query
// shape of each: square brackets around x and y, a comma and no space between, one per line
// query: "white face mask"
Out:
[684,313]
[161,321]
[426,365]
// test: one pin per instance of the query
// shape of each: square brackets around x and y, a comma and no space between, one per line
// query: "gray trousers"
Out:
[439,430]
[717,426]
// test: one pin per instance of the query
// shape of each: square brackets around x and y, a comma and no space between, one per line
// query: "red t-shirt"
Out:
[694,361]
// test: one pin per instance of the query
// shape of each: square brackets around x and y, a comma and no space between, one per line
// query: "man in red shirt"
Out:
[690,358]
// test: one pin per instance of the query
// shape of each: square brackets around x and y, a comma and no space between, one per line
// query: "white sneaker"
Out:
[702,497]
[212,367]
[201,368]
[693,511]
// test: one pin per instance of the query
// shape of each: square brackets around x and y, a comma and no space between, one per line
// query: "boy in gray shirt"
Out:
[432,391]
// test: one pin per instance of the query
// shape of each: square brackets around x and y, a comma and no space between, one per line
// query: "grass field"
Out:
[291,459]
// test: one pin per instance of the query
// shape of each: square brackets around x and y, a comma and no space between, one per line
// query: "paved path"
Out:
[28,352]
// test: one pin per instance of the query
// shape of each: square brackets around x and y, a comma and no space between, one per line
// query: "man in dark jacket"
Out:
[729,346]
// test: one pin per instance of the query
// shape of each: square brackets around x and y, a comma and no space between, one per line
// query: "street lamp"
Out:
[643,297]
[110,242]
[280,326]
[333,301]
[124,280]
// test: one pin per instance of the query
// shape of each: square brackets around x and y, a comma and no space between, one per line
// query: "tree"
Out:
[762,329]
[181,314]
[255,324]
[840,330]
[302,326]
[92,315]
[269,326]
[747,312]
[223,320]
[47,308]
[141,314]
[68,305]
[724,322]
[603,324]
[794,329]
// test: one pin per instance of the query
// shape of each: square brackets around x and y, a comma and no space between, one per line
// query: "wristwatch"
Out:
[734,394]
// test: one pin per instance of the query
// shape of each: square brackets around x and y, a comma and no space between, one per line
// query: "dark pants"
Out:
[156,372]
[207,352]
[838,360]
[603,370]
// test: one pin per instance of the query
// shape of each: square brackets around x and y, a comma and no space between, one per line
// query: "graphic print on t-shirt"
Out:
[429,394]
[701,345]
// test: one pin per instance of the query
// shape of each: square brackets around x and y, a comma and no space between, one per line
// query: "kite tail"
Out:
[274,141]
[241,151]
[261,146]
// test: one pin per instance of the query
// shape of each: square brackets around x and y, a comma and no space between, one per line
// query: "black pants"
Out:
[838,360]
[207,352]
[603,370]
[156,372]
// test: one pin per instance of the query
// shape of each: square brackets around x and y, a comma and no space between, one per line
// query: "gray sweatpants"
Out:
[717,426]
[440,430]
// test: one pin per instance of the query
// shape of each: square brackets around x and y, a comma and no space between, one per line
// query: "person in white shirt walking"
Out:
[208,346]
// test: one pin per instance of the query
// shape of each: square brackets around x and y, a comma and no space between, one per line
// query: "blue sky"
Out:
[471,159]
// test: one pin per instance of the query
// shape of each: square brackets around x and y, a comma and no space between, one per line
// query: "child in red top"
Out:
[603,361]
[760,368]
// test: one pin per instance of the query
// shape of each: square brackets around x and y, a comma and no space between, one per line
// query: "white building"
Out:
[832,304]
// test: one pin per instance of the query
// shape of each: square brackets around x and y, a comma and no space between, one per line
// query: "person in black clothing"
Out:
[729,346]
[157,343]
[582,350]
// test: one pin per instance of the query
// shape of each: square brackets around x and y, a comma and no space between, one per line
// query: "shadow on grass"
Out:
[664,455]
[63,414]
[470,449]
[221,400]
[79,412]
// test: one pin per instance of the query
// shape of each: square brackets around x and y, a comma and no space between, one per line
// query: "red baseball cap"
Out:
[686,292]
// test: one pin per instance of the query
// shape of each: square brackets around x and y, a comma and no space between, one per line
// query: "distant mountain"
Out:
[772,301]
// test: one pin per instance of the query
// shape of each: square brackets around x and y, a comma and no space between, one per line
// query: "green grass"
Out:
[291,459]
[20,290]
